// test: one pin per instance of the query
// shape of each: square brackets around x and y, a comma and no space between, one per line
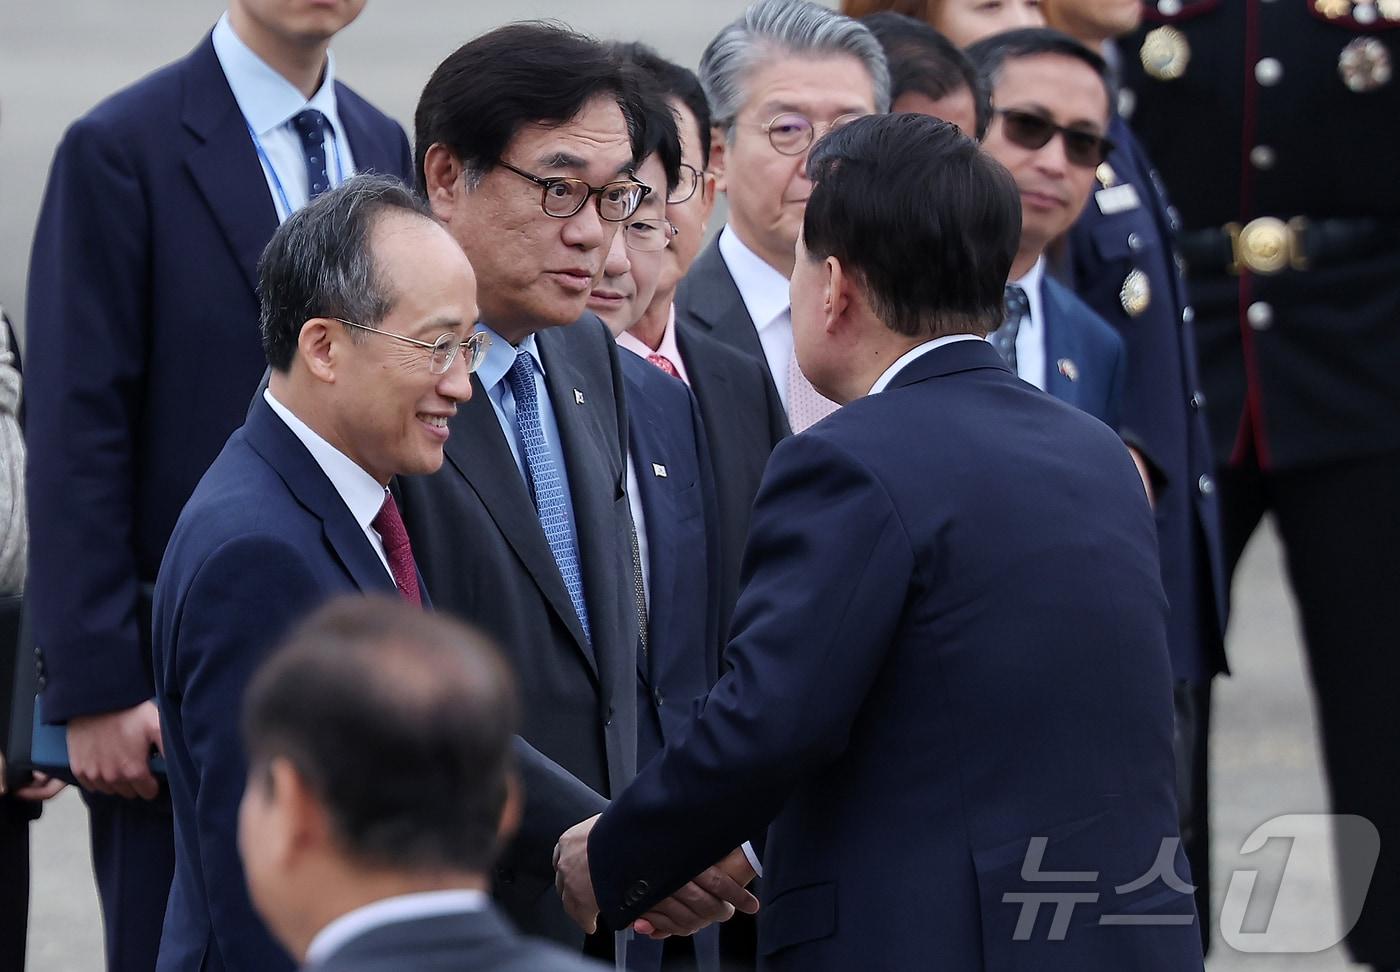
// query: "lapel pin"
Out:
[578,397]
[1069,369]
[659,470]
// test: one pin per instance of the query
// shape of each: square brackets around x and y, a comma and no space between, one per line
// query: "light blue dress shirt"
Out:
[269,102]
[500,357]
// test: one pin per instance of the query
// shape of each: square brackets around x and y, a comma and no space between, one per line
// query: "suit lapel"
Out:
[711,300]
[225,167]
[659,508]
[283,451]
[479,452]
[1060,345]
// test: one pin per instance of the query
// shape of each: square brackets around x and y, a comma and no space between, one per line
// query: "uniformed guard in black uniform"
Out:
[1276,124]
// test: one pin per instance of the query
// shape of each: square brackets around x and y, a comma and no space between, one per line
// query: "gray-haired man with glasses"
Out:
[527,141]
[777,79]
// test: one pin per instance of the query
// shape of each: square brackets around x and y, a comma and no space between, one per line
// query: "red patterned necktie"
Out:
[664,363]
[397,549]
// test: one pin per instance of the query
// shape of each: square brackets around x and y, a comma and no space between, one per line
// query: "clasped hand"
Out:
[712,896]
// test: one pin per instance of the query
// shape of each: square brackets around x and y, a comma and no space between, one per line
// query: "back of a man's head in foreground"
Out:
[379,753]
[920,217]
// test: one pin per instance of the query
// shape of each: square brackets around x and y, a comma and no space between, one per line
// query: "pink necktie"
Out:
[389,525]
[805,405]
[664,363]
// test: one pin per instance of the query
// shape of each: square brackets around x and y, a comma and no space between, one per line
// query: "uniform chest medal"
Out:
[1135,294]
[1364,65]
[1165,53]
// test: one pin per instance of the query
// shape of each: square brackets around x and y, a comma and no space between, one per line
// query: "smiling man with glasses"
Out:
[1050,100]
[778,78]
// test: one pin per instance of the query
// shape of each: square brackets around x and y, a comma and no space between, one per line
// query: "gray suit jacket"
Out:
[479,544]
[480,940]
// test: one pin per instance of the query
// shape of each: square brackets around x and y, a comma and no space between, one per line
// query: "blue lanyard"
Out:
[277,180]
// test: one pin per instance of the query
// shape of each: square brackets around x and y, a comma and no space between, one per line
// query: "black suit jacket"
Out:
[146,258]
[466,942]
[478,541]
[743,426]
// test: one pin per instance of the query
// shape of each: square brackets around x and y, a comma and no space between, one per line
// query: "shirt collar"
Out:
[914,353]
[362,493]
[391,911]
[763,289]
[268,100]
[500,357]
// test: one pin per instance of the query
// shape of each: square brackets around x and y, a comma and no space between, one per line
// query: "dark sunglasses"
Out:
[1031,131]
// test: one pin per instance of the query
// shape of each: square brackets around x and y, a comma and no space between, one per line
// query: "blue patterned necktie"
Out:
[545,486]
[311,128]
[1018,306]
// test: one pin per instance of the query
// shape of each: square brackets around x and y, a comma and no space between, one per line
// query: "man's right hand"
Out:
[110,753]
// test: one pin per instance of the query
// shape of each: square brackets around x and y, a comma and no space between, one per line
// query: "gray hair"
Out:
[319,263]
[784,27]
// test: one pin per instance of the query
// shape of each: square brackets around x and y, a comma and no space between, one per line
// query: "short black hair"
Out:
[319,263]
[400,722]
[672,81]
[660,134]
[991,54]
[923,61]
[520,74]
[925,220]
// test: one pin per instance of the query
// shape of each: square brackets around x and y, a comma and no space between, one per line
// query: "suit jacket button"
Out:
[1205,484]
[656,696]
[1198,401]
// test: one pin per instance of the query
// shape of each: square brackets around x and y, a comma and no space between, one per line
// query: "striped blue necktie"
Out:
[545,486]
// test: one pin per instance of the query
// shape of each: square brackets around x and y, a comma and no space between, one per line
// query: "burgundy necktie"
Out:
[397,549]
[664,363]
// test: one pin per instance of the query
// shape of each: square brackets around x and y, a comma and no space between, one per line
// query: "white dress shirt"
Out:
[269,102]
[1030,339]
[668,347]
[767,299]
[916,352]
[362,493]
[391,911]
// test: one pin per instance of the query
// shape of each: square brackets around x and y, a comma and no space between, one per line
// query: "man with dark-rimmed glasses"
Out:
[778,78]
[527,141]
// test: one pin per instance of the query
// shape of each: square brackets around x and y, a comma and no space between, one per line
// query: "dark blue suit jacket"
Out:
[264,539]
[1084,359]
[676,490]
[1163,414]
[940,654]
[143,352]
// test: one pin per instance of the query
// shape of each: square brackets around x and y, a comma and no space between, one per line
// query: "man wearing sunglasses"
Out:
[777,79]
[1122,263]
[367,315]
[1049,118]
[528,139]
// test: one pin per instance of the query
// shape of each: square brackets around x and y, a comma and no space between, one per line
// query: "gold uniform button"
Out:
[1165,53]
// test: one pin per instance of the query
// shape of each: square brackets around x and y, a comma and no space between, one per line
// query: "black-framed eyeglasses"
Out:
[686,185]
[563,197]
[649,235]
[443,350]
[1086,150]
[792,134]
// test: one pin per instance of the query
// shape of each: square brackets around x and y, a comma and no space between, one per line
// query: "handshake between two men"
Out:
[713,895]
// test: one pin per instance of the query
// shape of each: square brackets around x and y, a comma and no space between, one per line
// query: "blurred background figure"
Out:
[182,177]
[1121,260]
[929,74]
[962,21]
[380,788]
[1293,256]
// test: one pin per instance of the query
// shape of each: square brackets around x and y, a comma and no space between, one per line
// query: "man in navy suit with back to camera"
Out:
[1049,125]
[159,202]
[950,696]
[368,310]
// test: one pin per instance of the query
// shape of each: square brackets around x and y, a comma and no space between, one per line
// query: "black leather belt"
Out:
[1269,245]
